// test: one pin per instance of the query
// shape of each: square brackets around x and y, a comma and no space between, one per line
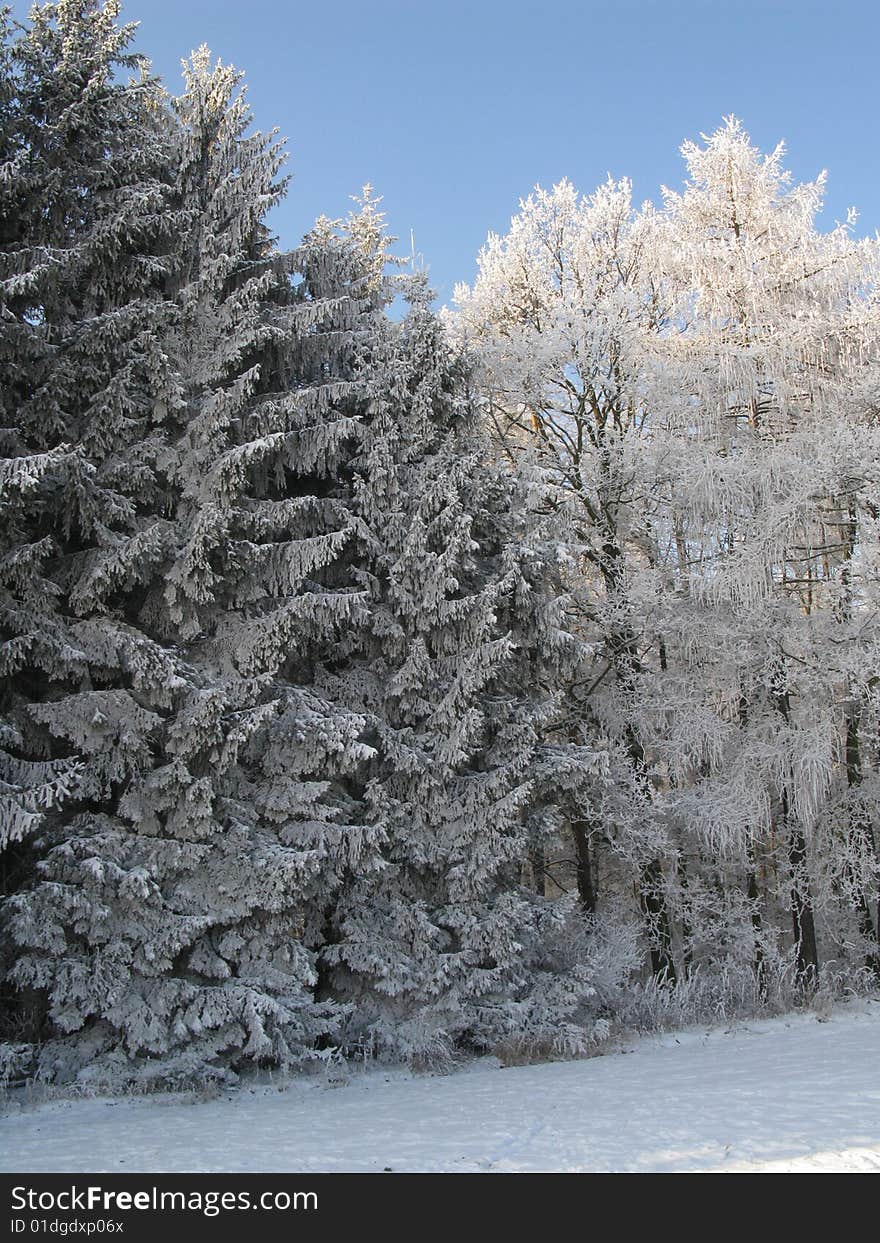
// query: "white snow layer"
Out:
[798,1093]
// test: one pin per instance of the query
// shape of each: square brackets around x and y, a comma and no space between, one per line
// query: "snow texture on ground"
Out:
[798,1093]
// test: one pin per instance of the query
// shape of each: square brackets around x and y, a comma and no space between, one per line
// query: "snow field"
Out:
[797,1093]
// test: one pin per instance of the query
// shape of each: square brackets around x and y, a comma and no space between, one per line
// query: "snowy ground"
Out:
[793,1094]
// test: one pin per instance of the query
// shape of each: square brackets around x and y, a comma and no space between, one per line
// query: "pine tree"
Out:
[166,929]
[431,937]
[82,210]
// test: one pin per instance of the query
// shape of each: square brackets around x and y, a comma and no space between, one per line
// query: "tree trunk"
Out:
[585,884]
[752,880]
[687,955]
[755,912]
[803,925]
[538,865]
[801,907]
[853,779]
[654,906]
[651,887]
[623,650]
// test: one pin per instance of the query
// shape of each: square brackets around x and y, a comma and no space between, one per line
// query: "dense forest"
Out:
[380,682]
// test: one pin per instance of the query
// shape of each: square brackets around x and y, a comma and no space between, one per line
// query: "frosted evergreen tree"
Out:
[166,930]
[230,778]
[27,784]
[431,936]
[82,205]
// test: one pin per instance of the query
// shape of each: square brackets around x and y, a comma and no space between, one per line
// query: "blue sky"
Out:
[454,110]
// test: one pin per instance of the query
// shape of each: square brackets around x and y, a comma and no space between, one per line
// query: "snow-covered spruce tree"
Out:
[431,937]
[26,783]
[167,926]
[82,213]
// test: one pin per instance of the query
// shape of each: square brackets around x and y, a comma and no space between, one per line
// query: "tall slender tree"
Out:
[435,943]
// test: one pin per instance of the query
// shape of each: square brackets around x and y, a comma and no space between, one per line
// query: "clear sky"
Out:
[453,110]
